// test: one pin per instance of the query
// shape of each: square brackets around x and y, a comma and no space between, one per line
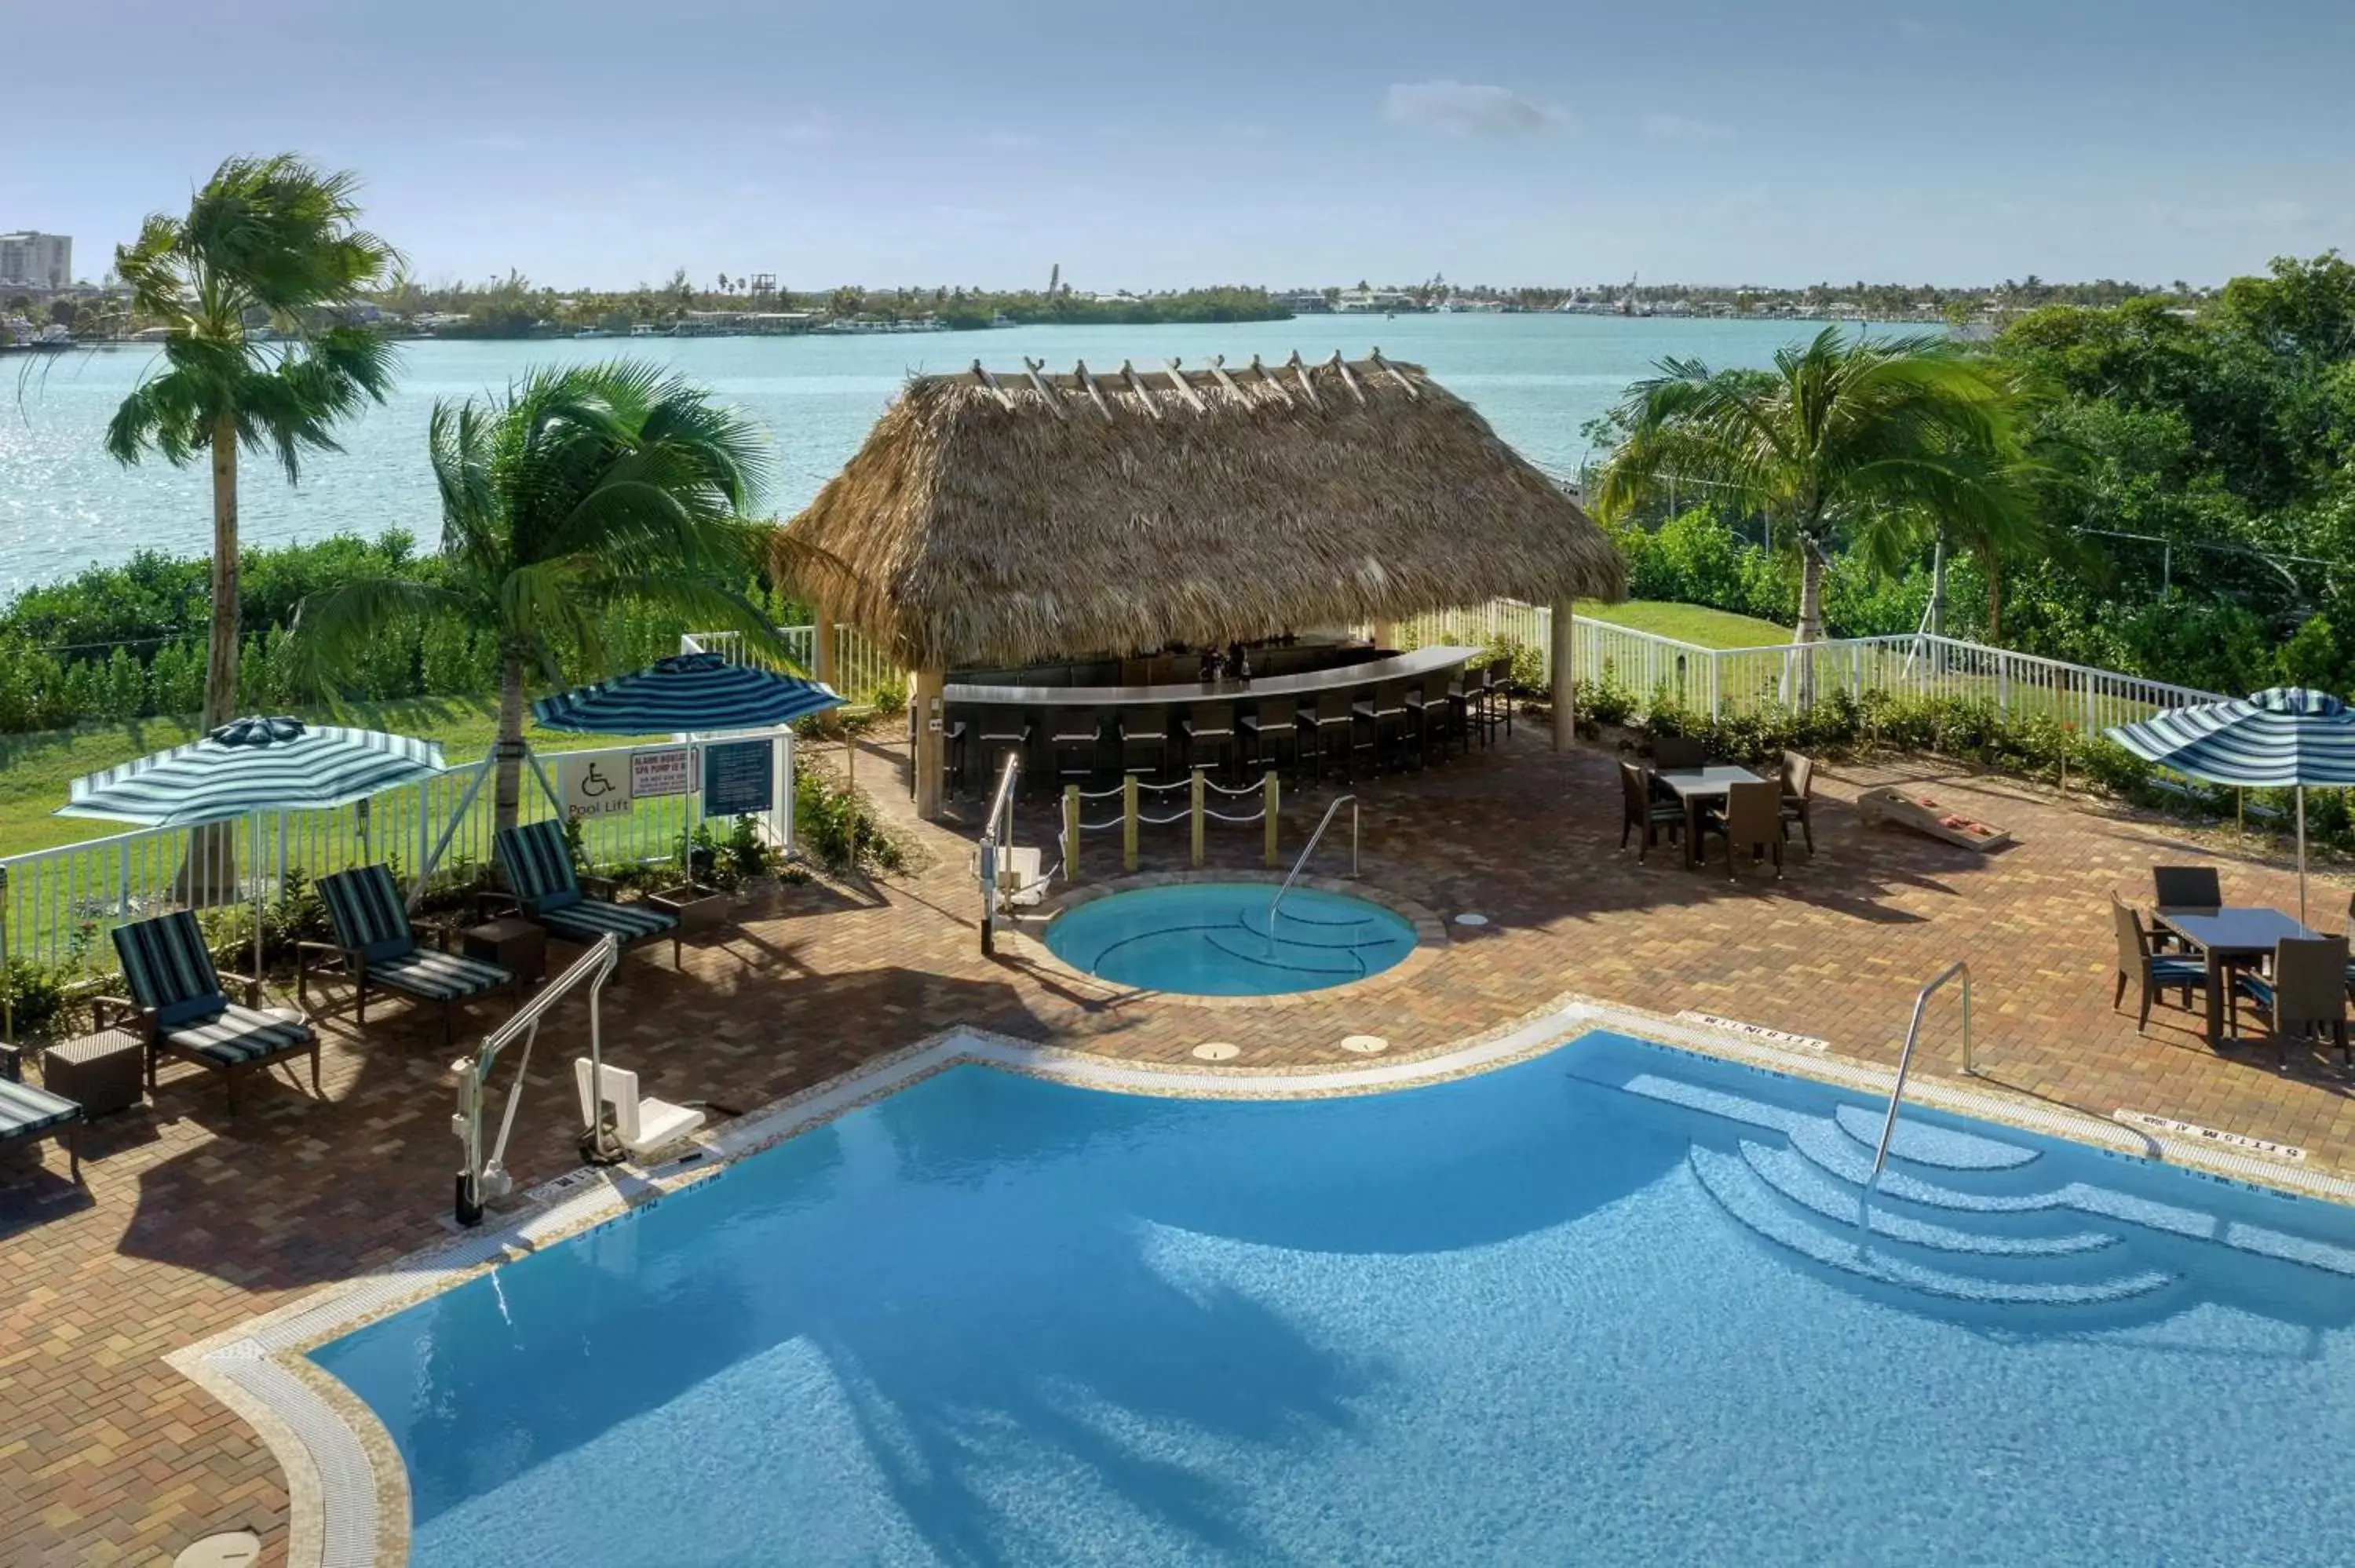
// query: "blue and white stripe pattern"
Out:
[253,764]
[691,693]
[2279,738]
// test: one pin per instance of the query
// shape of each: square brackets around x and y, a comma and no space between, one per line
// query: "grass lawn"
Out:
[1689,623]
[35,769]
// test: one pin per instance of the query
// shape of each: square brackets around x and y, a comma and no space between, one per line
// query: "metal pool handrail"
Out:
[997,837]
[1906,1060]
[1321,823]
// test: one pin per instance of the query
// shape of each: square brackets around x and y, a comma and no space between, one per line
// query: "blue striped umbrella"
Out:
[253,764]
[692,693]
[2288,737]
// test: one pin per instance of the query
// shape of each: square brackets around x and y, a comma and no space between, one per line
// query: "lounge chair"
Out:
[641,1126]
[1644,812]
[176,1003]
[539,866]
[375,945]
[2152,972]
[2305,994]
[27,1112]
[1752,821]
[1799,797]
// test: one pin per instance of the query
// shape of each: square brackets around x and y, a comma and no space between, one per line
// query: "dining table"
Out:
[1696,788]
[2228,937]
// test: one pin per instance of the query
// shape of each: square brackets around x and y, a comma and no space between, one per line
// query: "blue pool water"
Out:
[1606,1306]
[1214,938]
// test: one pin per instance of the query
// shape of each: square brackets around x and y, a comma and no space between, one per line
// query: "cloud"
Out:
[1677,128]
[1466,109]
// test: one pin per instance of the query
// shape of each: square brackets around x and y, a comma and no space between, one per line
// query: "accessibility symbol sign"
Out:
[594,786]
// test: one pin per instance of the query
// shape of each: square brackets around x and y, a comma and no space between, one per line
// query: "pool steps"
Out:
[1950,1219]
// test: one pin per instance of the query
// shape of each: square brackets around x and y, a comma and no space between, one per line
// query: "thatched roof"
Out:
[1005,518]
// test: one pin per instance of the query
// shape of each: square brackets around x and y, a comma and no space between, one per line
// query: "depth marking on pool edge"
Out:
[2193,1132]
[1755,1030]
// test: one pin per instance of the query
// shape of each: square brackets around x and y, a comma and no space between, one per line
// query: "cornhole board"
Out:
[1916,807]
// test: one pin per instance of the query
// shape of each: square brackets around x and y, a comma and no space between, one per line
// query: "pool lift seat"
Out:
[641,1125]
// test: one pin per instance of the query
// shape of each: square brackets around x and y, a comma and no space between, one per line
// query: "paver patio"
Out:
[190,1226]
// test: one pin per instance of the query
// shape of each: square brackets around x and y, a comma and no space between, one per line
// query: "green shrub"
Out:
[36,995]
[837,827]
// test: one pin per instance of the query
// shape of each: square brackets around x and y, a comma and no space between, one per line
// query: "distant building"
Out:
[1308,302]
[33,260]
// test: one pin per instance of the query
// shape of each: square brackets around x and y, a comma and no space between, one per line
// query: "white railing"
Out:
[55,904]
[861,666]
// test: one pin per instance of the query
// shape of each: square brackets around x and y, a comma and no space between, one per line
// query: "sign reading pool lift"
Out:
[593,786]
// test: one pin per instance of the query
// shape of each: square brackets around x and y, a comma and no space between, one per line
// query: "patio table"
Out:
[1696,787]
[2231,936]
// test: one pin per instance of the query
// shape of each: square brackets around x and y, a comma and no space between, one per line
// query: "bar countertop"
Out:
[1373,672]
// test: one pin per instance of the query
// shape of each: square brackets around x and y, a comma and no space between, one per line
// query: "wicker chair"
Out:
[2141,965]
[539,867]
[177,1003]
[1678,751]
[375,944]
[1799,797]
[2305,994]
[1645,813]
[1209,732]
[1752,821]
[2188,888]
[1271,723]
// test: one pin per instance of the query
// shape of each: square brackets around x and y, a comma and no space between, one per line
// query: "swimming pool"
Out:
[1214,938]
[1607,1305]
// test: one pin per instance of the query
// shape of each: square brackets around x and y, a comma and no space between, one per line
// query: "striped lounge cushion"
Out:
[25,1110]
[437,977]
[238,1035]
[365,907]
[538,865]
[168,969]
[591,918]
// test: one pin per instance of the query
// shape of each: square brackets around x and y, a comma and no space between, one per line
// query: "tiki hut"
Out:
[1006,518]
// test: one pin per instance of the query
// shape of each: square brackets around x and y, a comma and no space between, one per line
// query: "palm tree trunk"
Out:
[1810,629]
[220,660]
[208,873]
[1995,604]
[506,787]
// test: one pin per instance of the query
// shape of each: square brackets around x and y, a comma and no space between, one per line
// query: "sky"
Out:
[602,143]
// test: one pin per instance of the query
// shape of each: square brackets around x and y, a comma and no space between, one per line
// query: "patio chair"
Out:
[1799,797]
[27,1112]
[1678,751]
[375,944]
[1752,820]
[1646,814]
[2140,964]
[178,1005]
[539,866]
[2188,888]
[2305,995]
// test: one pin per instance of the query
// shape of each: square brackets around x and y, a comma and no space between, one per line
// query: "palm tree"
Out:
[1877,444]
[583,490]
[250,286]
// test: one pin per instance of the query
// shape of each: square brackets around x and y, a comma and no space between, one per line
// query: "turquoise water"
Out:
[1215,939]
[65,504]
[1606,1306]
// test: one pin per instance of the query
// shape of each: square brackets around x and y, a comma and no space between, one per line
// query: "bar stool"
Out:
[1500,693]
[1383,712]
[1071,736]
[1142,736]
[1434,707]
[1002,730]
[1271,722]
[1334,715]
[1478,693]
[1210,728]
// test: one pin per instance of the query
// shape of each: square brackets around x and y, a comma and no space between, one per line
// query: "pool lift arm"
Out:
[482,1179]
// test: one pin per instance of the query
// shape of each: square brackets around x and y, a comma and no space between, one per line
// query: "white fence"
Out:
[57,905]
[1722,682]
[861,666]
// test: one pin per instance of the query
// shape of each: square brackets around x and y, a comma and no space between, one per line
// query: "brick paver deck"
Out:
[190,1225]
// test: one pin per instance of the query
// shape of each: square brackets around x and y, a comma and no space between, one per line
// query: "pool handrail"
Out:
[1906,1059]
[997,836]
[1321,823]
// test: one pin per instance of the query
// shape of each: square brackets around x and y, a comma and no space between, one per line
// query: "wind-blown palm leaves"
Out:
[1878,443]
[250,286]
[581,490]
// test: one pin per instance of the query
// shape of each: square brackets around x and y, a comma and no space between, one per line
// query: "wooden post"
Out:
[1270,801]
[821,643]
[1197,817]
[1071,832]
[926,753]
[1565,676]
[1385,635]
[1128,822]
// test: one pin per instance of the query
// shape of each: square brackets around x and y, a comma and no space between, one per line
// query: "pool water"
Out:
[1214,938]
[1610,1304]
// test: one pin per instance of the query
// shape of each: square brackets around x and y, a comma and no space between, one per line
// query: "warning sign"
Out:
[664,771]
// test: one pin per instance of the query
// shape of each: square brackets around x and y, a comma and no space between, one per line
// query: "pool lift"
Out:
[484,1178]
[1008,876]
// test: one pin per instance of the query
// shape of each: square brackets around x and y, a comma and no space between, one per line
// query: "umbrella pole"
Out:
[258,884]
[2301,855]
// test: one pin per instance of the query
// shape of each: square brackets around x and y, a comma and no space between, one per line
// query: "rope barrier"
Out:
[1246,789]
[1164,789]
[1160,821]
[1099,827]
[1099,794]
[1258,816]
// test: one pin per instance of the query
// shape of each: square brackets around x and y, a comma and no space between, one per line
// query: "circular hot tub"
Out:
[1214,938]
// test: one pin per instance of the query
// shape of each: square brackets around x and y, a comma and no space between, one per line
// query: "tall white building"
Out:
[33,260]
